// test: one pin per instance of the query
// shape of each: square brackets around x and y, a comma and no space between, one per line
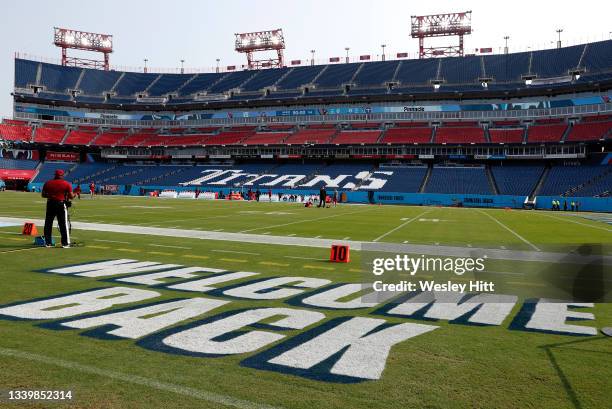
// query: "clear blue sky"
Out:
[201,31]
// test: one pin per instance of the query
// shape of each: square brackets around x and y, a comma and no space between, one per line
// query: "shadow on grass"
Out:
[573,397]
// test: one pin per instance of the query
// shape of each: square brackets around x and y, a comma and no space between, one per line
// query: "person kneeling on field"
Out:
[57,192]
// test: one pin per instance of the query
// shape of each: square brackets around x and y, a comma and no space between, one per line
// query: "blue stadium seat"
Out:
[562,179]
[376,74]
[556,62]
[25,72]
[200,83]
[417,71]
[507,67]
[133,83]
[58,78]
[598,56]
[337,75]
[97,82]
[300,76]
[21,164]
[168,83]
[233,80]
[404,179]
[465,180]
[47,170]
[460,70]
[264,78]
[519,180]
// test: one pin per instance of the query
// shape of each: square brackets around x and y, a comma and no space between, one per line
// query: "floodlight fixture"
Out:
[272,40]
[85,41]
[441,25]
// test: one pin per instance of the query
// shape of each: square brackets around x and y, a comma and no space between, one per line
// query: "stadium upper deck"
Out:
[586,67]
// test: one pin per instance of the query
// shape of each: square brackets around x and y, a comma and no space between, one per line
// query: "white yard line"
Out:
[112,241]
[26,249]
[303,221]
[303,258]
[236,252]
[400,226]
[524,240]
[137,380]
[567,219]
[170,247]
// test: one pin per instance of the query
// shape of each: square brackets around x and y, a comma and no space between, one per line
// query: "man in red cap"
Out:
[57,192]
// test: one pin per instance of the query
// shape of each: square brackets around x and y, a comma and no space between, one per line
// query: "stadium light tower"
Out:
[312,52]
[250,43]
[506,46]
[441,25]
[82,40]
[559,31]
[383,51]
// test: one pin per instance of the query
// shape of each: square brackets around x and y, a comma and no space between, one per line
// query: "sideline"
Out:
[437,250]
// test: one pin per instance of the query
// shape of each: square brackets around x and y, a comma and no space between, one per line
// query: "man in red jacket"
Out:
[57,191]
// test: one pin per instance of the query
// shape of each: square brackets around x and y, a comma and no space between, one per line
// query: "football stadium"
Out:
[427,228]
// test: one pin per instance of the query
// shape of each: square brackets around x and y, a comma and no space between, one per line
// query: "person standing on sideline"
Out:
[335,197]
[92,189]
[322,197]
[77,191]
[57,191]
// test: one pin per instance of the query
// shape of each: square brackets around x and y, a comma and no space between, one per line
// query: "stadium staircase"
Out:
[93,141]
[282,77]
[352,81]
[426,179]
[117,82]
[314,80]
[146,91]
[492,183]
[38,74]
[243,83]
[397,69]
[79,80]
[433,134]
[179,89]
[65,136]
[525,134]
[487,135]
[221,78]
[36,170]
[538,186]
[567,131]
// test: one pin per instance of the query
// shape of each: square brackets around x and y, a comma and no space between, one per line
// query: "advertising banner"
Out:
[62,156]
[19,154]
[17,174]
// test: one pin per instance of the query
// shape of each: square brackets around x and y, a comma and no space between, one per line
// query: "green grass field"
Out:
[453,366]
